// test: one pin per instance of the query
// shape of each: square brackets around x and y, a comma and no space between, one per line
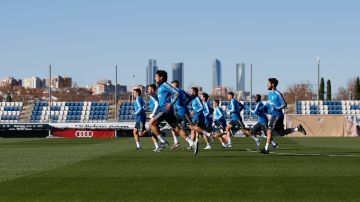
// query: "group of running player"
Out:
[170,103]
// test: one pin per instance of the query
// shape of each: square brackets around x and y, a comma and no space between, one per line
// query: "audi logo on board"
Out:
[84,134]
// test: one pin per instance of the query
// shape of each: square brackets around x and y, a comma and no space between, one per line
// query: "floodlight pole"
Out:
[49,94]
[115,97]
[318,83]
[132,88]
[251,84]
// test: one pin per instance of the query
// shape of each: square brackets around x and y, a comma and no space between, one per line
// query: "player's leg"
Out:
[136,135]
[154,126]
[273,125]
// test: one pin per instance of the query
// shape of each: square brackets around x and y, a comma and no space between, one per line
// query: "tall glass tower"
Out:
[216,72]
[150,72]
[240,77]
[178,73]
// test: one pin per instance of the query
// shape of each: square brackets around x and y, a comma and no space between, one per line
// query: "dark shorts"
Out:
[200,122]
[169,117]
[184,121]
[219,128]
[140,126]
[260,127]
[276,123]
[208,128]
[237,124]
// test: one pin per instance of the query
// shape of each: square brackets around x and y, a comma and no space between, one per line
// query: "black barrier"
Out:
[24,133]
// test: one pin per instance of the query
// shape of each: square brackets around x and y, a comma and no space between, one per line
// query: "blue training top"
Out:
[182,103]
[208,113]
[198,107]
[260,110]
[276,103]
[220,116]
[165,92]
[139,112]
[235,108]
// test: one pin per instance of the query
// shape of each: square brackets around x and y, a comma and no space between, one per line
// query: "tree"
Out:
[357,89]
[321,89]
[347,92]
[328,90]
[298,92]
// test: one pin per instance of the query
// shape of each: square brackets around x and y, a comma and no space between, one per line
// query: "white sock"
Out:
[273,142]
[267,146]
[223,144]
[161,139]
[255,138]
[175,139]
[138,144]
[189,141]
[229,142]
[295,129]
[156,145]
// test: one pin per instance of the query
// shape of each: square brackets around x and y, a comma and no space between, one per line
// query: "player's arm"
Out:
[232,106]
[173,91]
[282,102]
[206,110]
[201,106]
[156,106]
[138,105]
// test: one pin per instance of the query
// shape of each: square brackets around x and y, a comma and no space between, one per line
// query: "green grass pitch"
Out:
[302,169]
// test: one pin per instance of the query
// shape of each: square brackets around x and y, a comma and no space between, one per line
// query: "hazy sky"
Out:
[86,39]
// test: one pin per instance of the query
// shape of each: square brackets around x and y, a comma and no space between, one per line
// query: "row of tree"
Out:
[322,90]
[304,91]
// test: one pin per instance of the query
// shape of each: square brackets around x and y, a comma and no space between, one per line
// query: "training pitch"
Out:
[302,169]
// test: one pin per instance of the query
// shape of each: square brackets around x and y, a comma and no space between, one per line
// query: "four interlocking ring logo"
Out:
[84,134]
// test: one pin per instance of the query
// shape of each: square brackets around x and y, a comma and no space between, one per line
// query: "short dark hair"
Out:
[153,86]
[217,102]
[273,81]
[231,93]
[206,96]
[163,74]
[138,90]
[196,90]
[258,98]
[176,82]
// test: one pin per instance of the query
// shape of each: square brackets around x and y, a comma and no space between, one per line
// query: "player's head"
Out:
[137,92]
[151,88]
[204,97]
[161,76]
[194,91]
[216,103]
[258,98]
[230,95]
[175,84]
[272,83]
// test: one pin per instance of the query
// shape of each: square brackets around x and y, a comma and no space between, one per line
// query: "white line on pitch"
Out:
[296,154]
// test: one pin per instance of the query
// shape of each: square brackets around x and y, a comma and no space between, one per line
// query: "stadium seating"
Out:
[10,112]
[344,107]
[126,112]
[70,112]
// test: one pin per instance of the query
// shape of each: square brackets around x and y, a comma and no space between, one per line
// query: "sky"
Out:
[85,39]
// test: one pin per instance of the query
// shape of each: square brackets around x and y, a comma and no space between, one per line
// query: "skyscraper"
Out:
[178,73]
[216,71]
[240,77]
[150,72]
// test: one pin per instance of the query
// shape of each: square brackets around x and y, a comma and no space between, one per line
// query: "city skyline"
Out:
[282,39]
